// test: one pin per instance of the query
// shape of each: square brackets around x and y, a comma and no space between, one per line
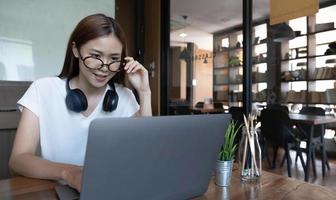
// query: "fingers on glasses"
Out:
[132,66]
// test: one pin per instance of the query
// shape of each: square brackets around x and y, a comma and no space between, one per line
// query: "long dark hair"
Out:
[91,27]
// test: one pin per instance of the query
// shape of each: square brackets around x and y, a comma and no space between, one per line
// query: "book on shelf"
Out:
[302,96]
[324,26]
[325,73]
[315,97]
[330,95]
[330,72]
[323,97]
[260,96]
[259,77]
[296,97]
[221,60]
[291,96]
[318,73]
[221,79]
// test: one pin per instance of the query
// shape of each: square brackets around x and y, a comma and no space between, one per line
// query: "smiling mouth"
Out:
[100,78]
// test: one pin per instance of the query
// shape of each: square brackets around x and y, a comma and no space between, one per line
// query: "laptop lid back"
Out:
[166,157]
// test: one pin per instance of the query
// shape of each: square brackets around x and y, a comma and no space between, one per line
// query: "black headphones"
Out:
[76,101]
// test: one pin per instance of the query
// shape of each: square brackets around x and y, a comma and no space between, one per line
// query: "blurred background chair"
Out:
[218,105]
[182,110]
[318,140]
[278,106]
[219,108]
[237,116]
[179,107]
[199,104]
[278,131]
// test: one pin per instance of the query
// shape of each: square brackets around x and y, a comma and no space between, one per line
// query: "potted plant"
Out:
[226,156]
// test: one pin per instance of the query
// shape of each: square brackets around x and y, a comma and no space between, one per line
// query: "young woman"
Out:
[57,111]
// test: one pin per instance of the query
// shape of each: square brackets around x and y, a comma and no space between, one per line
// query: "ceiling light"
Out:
[184,55]
[282,32]
[183,35]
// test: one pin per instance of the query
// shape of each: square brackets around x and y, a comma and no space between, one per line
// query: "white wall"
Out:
[34,34]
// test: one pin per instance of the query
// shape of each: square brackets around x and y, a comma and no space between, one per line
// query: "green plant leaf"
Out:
[228,148]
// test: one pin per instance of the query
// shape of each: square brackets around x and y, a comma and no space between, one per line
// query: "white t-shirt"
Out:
[63,133]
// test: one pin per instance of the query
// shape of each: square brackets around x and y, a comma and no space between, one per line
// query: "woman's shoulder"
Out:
[48,82]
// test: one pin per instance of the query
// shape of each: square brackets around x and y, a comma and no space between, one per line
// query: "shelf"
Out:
[293,81]
[238,101]
[235,48]
[293,102]
[306,57]
[302,35]
[317,32]
[259,44]
[297,47]
[221,84]
[318,56]
[234,75]
[314,33]
[258,63]
[233,83]
[325,43]
[254,101]
[258,82]
[308,47]
[220,68]
[221,100]
[322,103]
[236,66]
[308,103]
[221,52]
[313,80]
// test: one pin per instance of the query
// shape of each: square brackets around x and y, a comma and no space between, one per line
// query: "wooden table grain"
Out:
[271,186]
[311,119]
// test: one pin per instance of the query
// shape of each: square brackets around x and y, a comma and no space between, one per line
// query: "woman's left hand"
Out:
[137,75]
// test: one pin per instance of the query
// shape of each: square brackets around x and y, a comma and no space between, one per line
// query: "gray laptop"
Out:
[167,157]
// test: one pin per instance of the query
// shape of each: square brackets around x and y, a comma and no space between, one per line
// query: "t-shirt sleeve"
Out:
[132,106]
[31,99]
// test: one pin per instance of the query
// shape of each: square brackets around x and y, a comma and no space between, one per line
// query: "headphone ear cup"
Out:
[110,102]
[76,100]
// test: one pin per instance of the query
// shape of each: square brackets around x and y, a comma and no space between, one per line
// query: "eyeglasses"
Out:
[93,62]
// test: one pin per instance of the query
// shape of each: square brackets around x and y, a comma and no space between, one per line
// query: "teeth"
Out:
[100,75]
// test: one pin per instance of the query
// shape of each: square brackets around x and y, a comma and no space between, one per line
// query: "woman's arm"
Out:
[138,76]
[145,104]
[24,161]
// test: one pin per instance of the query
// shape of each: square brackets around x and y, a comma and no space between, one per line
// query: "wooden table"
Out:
[312,120]
[271,186]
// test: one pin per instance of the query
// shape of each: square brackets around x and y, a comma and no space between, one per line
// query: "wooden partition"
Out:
[10,93]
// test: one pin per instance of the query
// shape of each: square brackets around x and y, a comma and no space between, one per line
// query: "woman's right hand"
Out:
[72,175]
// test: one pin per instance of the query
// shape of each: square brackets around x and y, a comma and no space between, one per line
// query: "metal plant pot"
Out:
[223,173]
